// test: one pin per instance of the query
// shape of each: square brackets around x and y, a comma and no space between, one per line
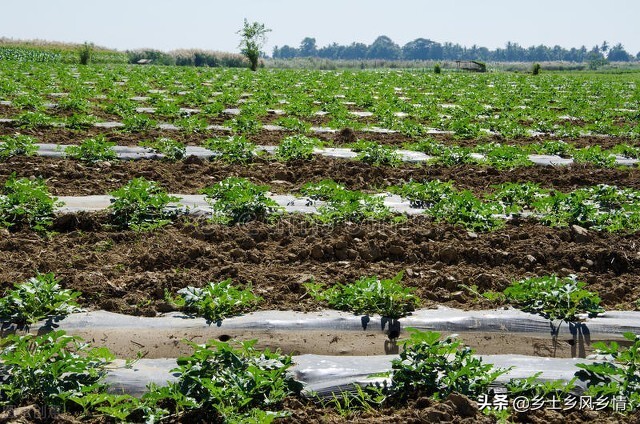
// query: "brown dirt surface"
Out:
[165,342]
[129,272]
[455,408]
[339,138]
[69,177]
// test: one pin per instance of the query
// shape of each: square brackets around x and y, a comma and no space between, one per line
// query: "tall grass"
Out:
[188,57]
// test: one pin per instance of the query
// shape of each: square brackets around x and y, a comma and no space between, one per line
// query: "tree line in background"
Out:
[382,52]
[383,48]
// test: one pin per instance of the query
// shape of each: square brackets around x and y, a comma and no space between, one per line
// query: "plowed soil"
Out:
[454,409]
[263,137]
[70,177]
[129,272]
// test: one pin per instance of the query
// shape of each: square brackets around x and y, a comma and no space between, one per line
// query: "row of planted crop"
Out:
[142,204]
[274,87]
[250,121]
[346,84]
[552,297]
[237,149]
[405,101]
[401,89]
[236,382]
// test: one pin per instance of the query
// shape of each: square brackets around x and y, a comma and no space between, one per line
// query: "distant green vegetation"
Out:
[23,51]
[25,54]
[384,48]
[54,52]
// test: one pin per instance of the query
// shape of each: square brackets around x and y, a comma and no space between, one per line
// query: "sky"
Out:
[210,24]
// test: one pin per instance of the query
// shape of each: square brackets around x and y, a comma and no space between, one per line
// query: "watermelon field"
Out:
[318,246]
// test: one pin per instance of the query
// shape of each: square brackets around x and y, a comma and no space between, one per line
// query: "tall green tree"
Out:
[285,52]
[596,58]
[424,49]
[420,49]
[355,51]
[308,47]
[332,51]
[253,36]
[617,53]
[384,48]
